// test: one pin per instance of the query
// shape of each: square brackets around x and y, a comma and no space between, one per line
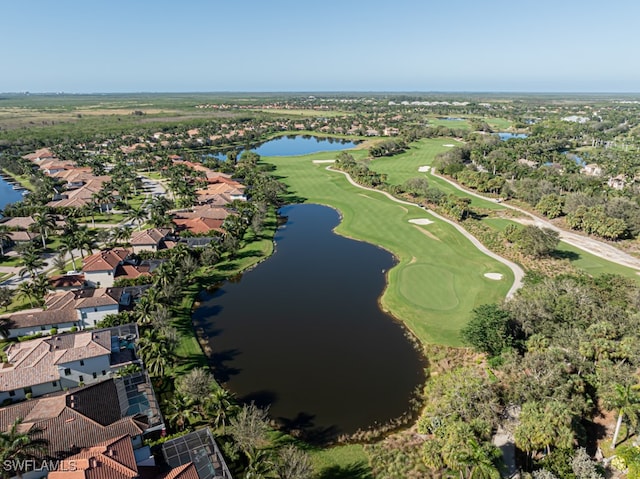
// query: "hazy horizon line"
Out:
[358,92]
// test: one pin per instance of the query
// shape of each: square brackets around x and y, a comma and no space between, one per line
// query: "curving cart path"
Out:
[518,272]
[590,245]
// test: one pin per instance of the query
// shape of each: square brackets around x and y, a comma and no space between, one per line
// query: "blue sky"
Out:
[86,46]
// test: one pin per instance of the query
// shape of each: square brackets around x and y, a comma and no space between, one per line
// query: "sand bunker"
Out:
[324,161]
[495,276]
[449,145]
[424,169]
[421,221]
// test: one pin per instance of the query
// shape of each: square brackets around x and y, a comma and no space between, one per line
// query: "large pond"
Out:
[296,145]
[303,332]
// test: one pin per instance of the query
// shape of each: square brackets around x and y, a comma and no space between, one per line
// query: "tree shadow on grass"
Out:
[356,470]
[570,255]
[302,426]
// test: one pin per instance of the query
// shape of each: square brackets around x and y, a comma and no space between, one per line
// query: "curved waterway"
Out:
[303,332]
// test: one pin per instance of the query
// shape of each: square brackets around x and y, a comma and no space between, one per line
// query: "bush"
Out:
[53,331]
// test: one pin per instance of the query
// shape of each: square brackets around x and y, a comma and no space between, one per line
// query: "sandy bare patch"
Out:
[324,161]
[424,169]
[421,221]
[449,145]
[496,276]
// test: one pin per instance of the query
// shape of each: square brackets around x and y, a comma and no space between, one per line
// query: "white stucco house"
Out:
[99,269]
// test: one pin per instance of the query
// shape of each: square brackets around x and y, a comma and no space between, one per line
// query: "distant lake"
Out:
[578,159]
[507,136]
[8,194]
[296,145]
[303,332]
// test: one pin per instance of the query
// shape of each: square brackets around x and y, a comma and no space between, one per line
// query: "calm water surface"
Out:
[303,331]
[8,194]
[295,145]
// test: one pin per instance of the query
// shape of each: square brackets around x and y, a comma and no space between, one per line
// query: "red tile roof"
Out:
[199,225]
[67,429]
[106,260]
[151,236]
[187,471]
[111,459]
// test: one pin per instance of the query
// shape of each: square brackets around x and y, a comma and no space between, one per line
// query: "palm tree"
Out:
[121,234]
[27,290]
[181,412]
[5,237]
[156,352]
[68,245]
[44,223]
[627,402]
[59,262]
[85,240]
[31,262]
[219,406]
[138,216]
[19,446]
[41,285]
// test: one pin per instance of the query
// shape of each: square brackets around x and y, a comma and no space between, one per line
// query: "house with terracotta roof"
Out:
[66,282]
[99,269]
[44,365]
[117,459]
[40,155]
[64,311]
[198,226]
[19,222]
[110,459]
[149,240]
[92,416]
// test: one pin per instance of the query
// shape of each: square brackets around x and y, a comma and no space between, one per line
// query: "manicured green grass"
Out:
[341,462]
[462,124]
[439,276]
[499,123]
[402,167]
[422,153]
[594,265]
[10,261]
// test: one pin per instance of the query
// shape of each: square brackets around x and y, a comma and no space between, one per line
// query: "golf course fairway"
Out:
[440,275]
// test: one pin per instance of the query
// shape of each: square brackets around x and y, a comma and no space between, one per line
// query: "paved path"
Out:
[518,272]
[590,245]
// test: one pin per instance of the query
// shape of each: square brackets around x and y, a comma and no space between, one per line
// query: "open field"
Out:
[301,112]
[439,277]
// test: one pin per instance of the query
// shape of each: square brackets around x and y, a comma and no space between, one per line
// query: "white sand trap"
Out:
[449,145]
[424,169]
[421,221]
[495,276]
[324,161]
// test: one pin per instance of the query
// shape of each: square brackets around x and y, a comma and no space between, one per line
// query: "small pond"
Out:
[303,332]
[504,136]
